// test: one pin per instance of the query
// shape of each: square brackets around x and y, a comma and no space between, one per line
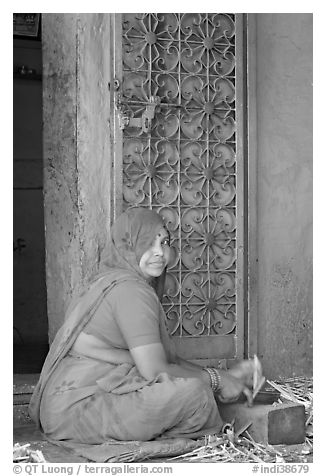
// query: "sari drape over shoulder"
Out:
[85,401]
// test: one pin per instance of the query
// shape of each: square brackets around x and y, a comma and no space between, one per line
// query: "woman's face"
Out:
[156,258]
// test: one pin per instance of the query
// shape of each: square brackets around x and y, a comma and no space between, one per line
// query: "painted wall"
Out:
[284,200]
[76,152]
[77,173]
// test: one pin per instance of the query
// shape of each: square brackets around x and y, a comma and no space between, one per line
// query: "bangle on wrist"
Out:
[215,378]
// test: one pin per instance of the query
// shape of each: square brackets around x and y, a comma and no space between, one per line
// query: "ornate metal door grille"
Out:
[186,162]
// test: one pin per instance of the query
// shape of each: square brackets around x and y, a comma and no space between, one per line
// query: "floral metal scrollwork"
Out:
[184,165]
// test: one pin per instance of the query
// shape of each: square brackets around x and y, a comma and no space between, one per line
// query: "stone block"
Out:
[23,387]
[272,424]
[21,415]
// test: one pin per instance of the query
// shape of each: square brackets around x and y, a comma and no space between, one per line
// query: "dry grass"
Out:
[24,454]
[241,448]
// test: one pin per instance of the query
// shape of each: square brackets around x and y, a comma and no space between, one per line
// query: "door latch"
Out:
[144,122]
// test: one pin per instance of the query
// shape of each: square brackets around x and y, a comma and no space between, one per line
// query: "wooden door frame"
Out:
[251,184]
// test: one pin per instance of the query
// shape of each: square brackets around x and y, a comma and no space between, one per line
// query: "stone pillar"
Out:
[77,157]
[284,199]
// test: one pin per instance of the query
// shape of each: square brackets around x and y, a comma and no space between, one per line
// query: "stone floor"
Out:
[55,454]
[26,432]
[52,453]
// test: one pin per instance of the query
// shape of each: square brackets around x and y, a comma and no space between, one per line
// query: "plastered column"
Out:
[77,160]
[284,198]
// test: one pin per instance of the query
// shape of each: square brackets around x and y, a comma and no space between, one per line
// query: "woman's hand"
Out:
[244,371]
[232,388]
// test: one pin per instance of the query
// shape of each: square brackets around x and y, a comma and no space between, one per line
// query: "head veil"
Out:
[131,235]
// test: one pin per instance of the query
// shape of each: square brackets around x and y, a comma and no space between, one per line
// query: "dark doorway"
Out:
[30,325]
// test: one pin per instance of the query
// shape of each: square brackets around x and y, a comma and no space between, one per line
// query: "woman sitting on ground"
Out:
[112,371]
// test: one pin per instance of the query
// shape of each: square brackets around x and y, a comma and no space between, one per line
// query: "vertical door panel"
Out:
[187,163]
